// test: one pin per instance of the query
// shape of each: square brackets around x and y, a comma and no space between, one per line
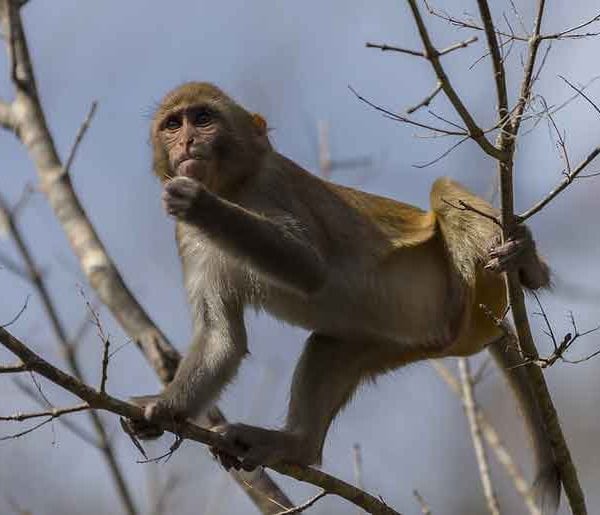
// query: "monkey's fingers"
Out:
[141,429]
[506,256]
[226,460]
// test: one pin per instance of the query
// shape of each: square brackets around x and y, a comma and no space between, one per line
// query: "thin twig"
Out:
[53,413]
[568,179]
[425,509]
[25,432]
[306,505]
[79,136]
[25,304]
[404,119]
[466,24]
[579,91]
[465,206]
[357,467]
[426,101]
[456,46]
[474,130]
[389,48]
[568,33]
[67,422]
[443,154]
[12,369]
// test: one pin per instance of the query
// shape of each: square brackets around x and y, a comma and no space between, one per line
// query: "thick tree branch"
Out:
[185,430]
[31,128]
[7,118]
[506,142]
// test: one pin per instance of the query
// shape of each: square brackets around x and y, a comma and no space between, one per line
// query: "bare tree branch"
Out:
[306,505]
[388,48]
[474,130]
[425,509]
[471,412]
[579,91]
[497,62]
[12,369]
[184,430]
[65,421]
[506,142]
[426,101]
[404,119]
[7,118]
[417,53]
[568,179]
[568,33]
[493,440]
[79,137]
[53,413]
[464,24]
[104,444]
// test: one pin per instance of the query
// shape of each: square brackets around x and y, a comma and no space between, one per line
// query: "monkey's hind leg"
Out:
[325,378]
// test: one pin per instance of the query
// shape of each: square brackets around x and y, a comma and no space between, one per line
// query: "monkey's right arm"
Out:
[217,349]
[266,244]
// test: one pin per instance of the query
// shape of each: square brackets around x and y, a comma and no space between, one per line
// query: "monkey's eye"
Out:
[201,117]
[172,123]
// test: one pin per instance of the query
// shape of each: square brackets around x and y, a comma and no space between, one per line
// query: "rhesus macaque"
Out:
[379,283]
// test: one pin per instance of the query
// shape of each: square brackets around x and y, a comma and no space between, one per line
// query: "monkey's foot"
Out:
[511,254]
[256,446]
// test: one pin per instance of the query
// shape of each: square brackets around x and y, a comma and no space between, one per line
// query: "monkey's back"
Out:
[389,275]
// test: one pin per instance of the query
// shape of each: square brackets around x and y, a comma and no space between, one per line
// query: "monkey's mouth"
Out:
[190,167]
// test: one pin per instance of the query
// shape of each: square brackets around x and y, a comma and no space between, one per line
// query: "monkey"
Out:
[379,283]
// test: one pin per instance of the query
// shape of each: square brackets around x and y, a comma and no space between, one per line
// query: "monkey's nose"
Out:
[189,142]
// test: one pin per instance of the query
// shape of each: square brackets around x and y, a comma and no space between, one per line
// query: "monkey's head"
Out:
[199,132]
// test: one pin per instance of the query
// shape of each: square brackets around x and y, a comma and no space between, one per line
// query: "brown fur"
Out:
[380,283]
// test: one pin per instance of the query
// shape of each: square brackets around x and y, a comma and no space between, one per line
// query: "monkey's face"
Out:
[194,140]
[201,133]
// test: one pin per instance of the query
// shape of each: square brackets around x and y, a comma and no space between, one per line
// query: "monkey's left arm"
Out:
[266,244]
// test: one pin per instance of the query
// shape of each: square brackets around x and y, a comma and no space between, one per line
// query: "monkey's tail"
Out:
[546,488]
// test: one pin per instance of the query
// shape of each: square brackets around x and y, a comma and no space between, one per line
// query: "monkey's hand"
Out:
[257,446]
[183,197]
[155,409]
[519,253]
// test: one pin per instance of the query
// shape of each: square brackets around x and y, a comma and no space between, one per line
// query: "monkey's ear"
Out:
[260,124]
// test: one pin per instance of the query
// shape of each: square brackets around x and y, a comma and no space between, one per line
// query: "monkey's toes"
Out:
[256,446]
